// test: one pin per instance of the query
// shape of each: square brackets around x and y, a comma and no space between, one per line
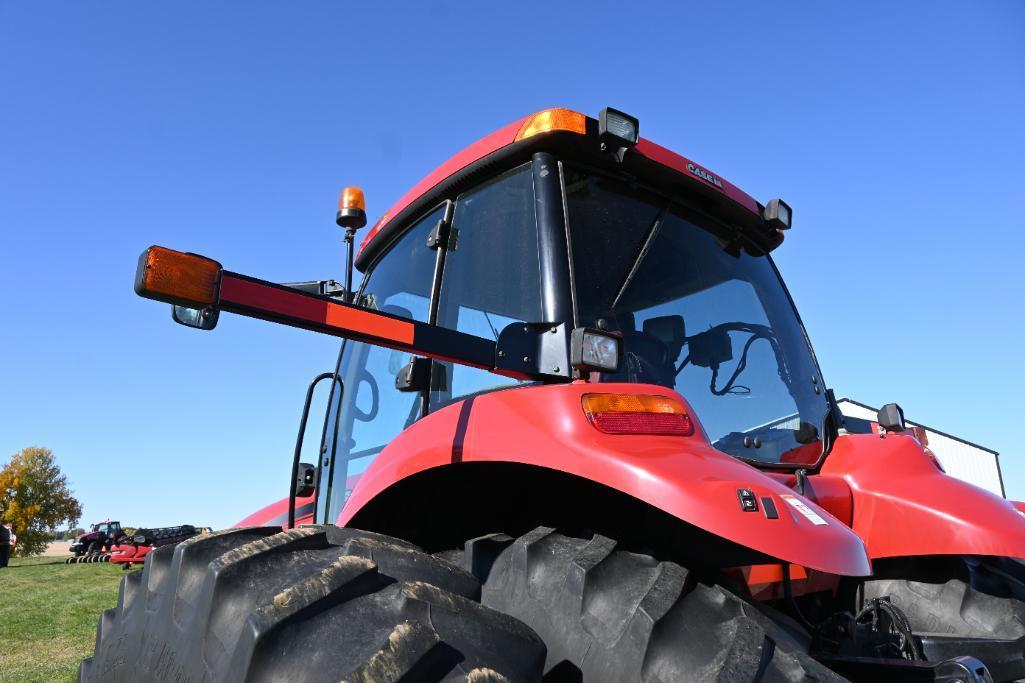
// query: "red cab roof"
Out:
[509,134]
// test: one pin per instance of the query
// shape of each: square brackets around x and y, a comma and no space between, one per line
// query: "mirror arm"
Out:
[320,288]
[292,487]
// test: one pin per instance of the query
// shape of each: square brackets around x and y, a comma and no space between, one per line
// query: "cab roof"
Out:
[528,130]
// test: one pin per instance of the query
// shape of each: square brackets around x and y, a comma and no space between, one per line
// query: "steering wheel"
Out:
[375,397]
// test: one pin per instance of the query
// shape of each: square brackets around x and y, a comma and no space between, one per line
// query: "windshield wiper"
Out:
[645,247]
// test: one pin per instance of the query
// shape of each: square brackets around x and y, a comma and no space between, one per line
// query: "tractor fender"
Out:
[903,505]
[276,514]
[685,477]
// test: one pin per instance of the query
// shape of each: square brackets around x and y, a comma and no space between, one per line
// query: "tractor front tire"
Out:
[318,603]
[963,596]
[608,614]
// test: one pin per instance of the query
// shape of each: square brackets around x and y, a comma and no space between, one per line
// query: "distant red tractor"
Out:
[96,542]
[576,431]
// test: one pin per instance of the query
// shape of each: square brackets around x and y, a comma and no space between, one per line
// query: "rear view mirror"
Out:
[198,318]
[305,480]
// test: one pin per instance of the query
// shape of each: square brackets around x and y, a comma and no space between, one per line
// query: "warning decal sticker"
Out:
[808,513]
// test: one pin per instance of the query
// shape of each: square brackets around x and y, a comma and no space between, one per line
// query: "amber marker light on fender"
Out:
[637,414]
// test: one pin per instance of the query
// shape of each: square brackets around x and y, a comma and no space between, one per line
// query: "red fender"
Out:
[276,514]
[683,476]
[904,505]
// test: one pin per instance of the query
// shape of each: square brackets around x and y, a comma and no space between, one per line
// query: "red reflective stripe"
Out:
[295,305]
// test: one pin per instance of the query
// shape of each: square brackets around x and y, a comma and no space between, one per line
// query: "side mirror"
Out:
[891,418]
[305,480]
[198,318]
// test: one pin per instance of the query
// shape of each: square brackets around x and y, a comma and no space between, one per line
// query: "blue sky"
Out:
[895,130]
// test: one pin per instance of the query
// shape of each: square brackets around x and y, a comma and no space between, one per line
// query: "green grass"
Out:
[48,615]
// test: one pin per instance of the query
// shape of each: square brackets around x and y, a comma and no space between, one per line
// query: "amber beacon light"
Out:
[178,278]
[352,209]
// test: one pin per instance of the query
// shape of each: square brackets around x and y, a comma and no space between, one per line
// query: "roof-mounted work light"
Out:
[777,215]
[591,349]
[617,131]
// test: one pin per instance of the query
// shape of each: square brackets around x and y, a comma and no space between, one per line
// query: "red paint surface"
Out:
[679,163]
[765,581]
[507,135]
[684,476]
[276,514]
[903,505]
[467,156]
[129,553]
[830,492]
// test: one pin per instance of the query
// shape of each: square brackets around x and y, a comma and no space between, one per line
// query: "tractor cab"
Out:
[676,283]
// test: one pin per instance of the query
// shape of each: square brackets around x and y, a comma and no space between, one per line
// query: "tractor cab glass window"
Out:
[699,314]
[491,277]
[371,410]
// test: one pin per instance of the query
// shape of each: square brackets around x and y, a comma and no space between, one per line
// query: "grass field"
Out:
[48,614]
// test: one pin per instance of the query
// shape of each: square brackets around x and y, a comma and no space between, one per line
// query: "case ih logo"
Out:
[704,175]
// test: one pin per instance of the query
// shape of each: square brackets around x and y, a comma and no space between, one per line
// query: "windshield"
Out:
[698,314]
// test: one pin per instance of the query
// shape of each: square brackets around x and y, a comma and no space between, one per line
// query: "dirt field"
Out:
[57,549]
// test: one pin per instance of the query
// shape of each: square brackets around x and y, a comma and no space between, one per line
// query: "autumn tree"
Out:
[35,498]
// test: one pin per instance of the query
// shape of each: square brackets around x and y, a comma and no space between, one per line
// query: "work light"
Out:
[623,127]
[592,349]
[777,214]
[617,131]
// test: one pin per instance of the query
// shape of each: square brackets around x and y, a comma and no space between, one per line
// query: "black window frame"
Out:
[688,203]
[555,284]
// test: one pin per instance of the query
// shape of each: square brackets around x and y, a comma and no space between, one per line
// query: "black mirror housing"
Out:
[305,480]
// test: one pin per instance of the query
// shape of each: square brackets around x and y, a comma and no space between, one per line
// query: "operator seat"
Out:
[649,354]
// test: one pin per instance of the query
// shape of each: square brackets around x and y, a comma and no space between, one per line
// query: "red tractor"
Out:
[576,431]
[93,545]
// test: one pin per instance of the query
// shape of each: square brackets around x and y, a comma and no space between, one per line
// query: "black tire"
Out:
[312,604]
[962,596]
[94,547]
[607,614]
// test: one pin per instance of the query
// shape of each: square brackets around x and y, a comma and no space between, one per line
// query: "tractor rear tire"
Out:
[608,614]
[318,603]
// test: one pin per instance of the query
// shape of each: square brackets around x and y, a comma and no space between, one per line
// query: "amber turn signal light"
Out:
[552,119]
[178,278]
[637,414]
